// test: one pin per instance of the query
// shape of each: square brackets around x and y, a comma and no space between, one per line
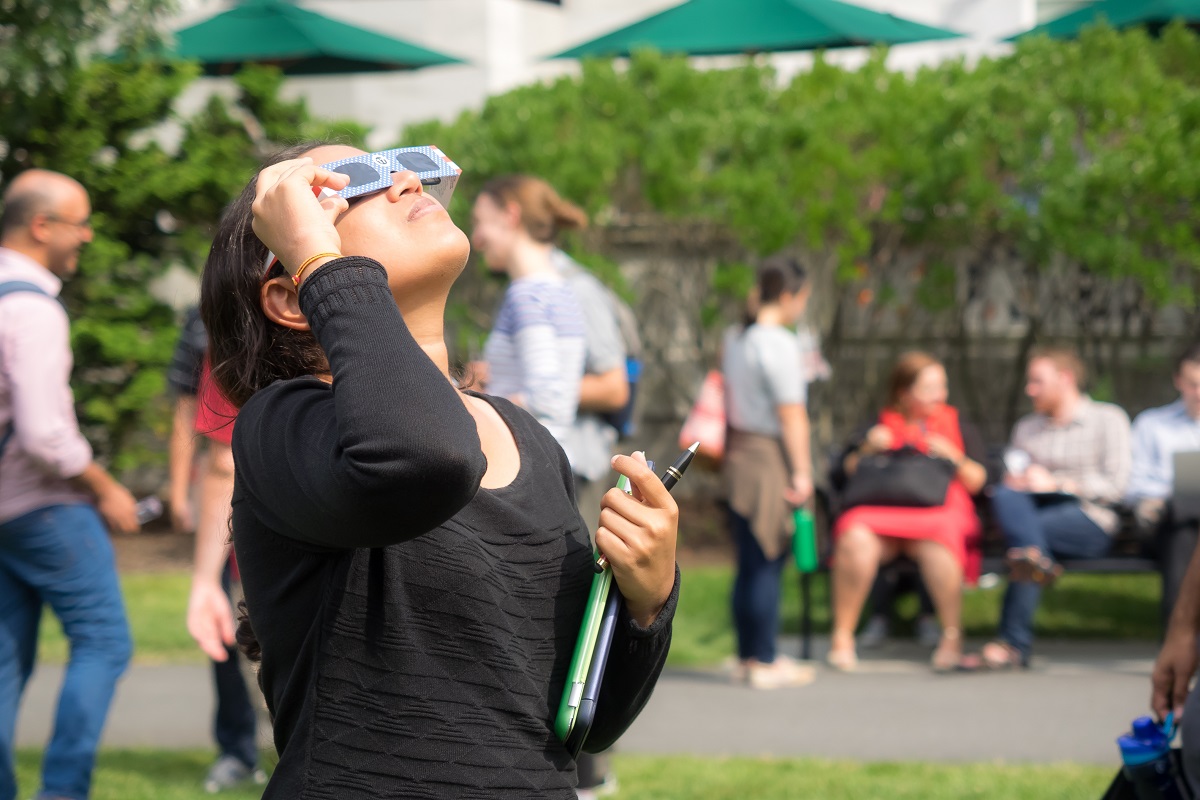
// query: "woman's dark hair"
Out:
[246,350]
[779,275]
[543,211]
[909,367]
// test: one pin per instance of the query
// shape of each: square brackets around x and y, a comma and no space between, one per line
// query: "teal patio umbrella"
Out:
[299,41]
[1154,14]
[730,27]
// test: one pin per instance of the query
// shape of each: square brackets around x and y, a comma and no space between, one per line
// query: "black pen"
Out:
[669,479]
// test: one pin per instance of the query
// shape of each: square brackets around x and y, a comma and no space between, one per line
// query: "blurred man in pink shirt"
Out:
[55,500]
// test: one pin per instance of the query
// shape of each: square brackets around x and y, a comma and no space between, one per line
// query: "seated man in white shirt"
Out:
[1158,434]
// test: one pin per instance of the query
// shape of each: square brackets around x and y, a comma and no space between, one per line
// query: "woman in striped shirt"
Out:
[535,353]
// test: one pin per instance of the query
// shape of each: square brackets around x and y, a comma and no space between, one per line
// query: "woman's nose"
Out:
[403,183]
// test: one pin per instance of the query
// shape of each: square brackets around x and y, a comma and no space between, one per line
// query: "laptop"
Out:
[1185,503]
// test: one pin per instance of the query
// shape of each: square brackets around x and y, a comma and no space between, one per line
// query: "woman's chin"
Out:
[454,253]
[437,274]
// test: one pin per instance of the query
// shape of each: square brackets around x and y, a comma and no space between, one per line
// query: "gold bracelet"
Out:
[308,262]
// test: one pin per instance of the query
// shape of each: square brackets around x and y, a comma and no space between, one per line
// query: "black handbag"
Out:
[1122,788]
[906,478]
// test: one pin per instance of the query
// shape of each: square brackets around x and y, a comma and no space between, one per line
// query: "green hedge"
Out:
[1085,150]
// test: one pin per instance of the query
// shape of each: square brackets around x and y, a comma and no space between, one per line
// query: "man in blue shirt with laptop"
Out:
[1166,501]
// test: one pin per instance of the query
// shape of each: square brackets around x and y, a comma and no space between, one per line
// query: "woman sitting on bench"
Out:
[918,418]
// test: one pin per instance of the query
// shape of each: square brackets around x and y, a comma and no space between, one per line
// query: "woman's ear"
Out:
[281,303]
[512,213]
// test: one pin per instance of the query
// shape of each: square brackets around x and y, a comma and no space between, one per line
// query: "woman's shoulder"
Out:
[284,389]
[520,420]
[268,401]
[775,337]
[530,300]
[533,439]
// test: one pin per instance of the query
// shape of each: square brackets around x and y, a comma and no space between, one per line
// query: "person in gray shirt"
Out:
[604,389]
[767,469]
[520,231]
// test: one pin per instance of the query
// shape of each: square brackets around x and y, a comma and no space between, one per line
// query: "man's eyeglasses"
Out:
[85,223]
[372,172]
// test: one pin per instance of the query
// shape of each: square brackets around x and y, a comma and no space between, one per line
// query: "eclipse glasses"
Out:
[372,172]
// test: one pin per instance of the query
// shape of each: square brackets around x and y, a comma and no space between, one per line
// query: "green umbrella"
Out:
[1154,14]
[300,42]
[729,27]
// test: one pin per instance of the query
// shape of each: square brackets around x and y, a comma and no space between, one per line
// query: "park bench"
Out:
[1128,555]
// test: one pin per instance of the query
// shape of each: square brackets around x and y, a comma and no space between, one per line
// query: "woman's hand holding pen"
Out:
[289,219]
[638,535]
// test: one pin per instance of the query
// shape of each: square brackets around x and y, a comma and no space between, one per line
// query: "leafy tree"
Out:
[1074,155]
[104,122]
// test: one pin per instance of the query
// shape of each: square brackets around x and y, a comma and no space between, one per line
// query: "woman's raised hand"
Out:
[288,217]
[637,535]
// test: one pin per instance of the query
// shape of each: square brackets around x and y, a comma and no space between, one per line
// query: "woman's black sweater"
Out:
[416,629]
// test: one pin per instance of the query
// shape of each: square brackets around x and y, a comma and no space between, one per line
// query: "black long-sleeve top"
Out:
[416,629]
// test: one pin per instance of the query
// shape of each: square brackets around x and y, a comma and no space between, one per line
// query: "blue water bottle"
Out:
[1146,755]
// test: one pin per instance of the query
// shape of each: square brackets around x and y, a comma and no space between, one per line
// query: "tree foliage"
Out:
[1083,152]
[157,181]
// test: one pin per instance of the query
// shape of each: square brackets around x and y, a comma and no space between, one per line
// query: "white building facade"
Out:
[505,44]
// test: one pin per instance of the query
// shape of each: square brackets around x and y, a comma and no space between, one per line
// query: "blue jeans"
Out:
[1058,528]
[755,594]
[235,726]
[61,556]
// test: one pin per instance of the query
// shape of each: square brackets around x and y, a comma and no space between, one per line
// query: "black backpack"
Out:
[625,420]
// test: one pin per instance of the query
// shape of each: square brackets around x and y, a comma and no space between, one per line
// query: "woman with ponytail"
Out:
[533,348]
[768,466]
[535,353]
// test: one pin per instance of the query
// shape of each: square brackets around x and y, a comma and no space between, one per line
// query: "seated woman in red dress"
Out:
[935,537]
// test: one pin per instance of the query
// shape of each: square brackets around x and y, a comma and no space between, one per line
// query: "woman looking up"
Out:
[414,567]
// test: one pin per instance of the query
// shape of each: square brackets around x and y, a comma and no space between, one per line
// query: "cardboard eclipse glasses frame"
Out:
[372,172]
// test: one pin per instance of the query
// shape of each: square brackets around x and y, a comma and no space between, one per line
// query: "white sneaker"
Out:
[607,787]
[782,673]
[228,772]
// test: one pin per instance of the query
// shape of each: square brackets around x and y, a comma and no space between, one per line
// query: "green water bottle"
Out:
[804,542]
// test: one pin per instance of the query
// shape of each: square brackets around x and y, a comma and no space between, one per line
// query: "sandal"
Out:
[943,662]
[1028,565]
[998,655]
[842,660]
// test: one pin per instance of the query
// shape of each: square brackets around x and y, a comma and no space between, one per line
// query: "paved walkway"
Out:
[1070,707]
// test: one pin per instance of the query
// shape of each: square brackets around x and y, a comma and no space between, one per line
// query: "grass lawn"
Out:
[1093,606]
[174,775]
